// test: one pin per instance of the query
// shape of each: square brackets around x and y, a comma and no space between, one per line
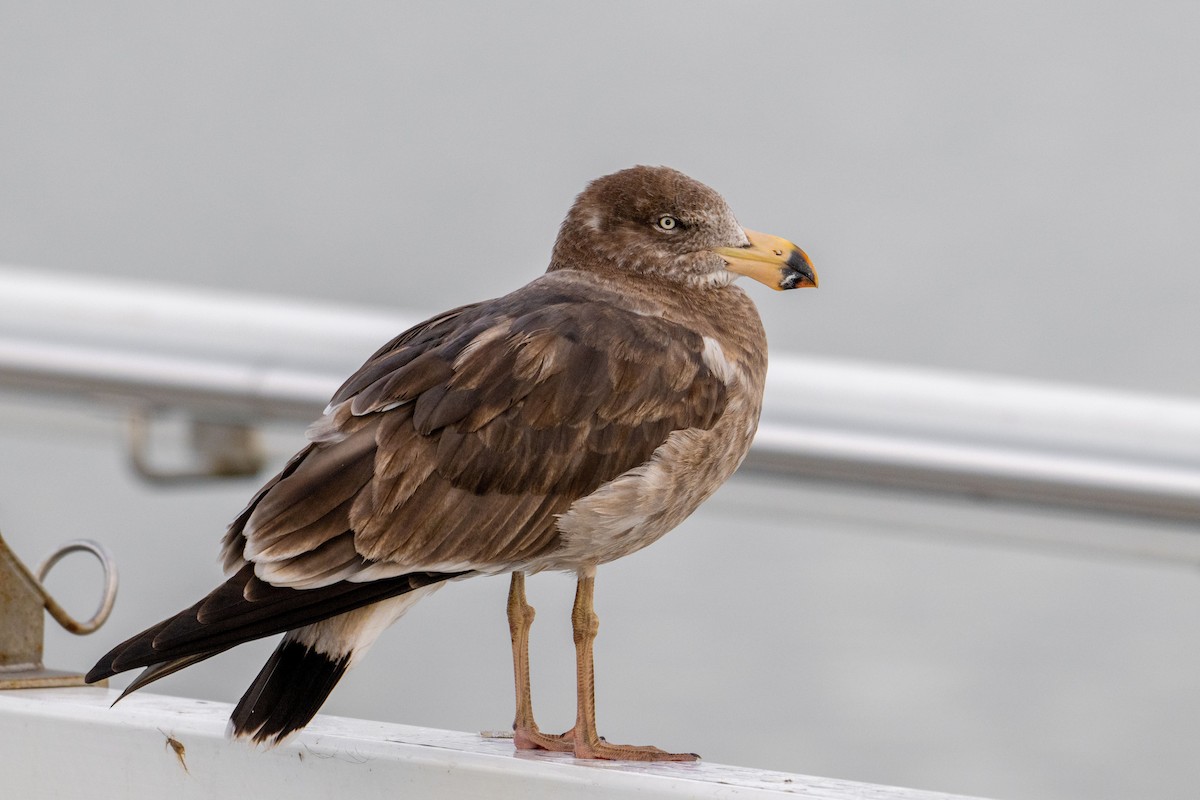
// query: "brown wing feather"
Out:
[459,442]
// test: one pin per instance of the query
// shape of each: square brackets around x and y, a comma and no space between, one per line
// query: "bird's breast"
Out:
[639,506]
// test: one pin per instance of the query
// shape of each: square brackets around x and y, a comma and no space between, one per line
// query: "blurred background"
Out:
[1004,188]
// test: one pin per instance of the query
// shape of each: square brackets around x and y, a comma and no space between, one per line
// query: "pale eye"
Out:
[667,223]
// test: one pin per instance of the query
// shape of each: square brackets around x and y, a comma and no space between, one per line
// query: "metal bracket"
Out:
[218,449]
[22,626]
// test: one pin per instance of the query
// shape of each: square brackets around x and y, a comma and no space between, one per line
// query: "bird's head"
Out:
[658,221]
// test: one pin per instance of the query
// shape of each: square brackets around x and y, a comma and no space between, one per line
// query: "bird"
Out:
[562,426]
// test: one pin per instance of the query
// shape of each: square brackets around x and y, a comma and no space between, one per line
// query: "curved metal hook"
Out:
[107,562]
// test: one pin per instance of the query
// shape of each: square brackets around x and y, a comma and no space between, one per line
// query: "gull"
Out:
[560,427]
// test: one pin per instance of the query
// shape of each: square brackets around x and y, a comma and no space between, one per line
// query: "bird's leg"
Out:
[525,731]
[588,743]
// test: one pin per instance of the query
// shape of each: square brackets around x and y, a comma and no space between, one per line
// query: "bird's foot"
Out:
[567,742]
[532,739]
[626,752]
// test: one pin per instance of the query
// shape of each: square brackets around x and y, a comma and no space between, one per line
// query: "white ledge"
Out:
[69,743]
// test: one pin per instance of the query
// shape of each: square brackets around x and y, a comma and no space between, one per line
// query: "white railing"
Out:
[152,746]
[254,359]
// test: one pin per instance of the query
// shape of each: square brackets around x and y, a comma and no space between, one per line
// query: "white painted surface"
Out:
[68,743]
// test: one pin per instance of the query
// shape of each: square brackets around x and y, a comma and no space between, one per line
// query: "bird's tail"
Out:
[296,680]
[328,628]
[288,692]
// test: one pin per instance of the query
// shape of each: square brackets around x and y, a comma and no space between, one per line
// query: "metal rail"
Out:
[252,359]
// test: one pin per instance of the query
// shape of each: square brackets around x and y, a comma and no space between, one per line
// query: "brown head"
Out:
[656,221]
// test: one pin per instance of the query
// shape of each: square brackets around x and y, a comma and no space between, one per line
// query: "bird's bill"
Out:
[770,260]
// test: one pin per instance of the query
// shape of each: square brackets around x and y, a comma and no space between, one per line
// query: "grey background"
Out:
[995,187]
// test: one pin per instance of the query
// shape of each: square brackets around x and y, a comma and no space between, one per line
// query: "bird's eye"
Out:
[667,223]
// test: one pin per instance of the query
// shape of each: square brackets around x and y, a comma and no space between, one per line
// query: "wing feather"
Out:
[457,445]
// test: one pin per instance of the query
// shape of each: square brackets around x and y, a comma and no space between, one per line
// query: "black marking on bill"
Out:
[796,271]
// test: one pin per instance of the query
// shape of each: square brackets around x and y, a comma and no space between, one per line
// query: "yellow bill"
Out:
[770,260]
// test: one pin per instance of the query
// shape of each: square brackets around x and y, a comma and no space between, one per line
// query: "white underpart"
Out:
[639,506]
[354,632]
[628,513]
